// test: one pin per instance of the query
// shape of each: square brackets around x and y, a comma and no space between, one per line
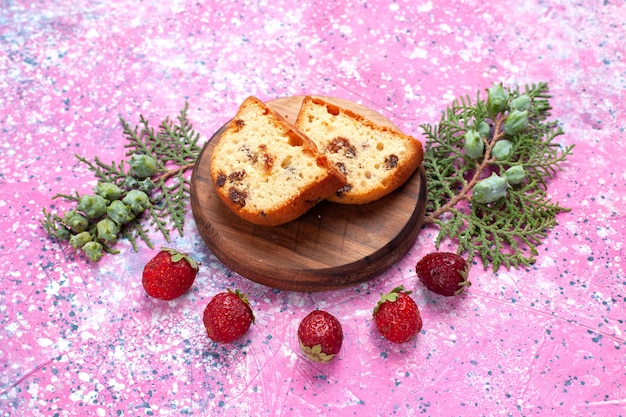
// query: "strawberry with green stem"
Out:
[228,316]
[320,336]
[169,274]
[443,273]
[396,316]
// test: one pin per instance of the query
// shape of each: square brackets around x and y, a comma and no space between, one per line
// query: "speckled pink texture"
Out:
[78,338]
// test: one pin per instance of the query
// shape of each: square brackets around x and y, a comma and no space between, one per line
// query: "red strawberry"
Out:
[169,274]
[320,336]
[397,317]
[443,273]
[228,316]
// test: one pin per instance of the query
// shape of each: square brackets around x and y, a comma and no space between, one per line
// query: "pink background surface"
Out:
[78,338]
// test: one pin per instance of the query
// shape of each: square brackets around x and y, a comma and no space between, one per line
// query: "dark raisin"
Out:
[340,144]
[252,156]
[343,190]
[342,168]
[236,176]
[391,161]
[221,180]
[238,197]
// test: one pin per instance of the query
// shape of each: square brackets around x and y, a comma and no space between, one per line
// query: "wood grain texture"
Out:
[332,246]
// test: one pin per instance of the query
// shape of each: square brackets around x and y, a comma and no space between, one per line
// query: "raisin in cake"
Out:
[266,171]
[375,159]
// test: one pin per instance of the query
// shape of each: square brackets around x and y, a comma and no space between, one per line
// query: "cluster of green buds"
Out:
[514,113]
[500,101]
[99,217]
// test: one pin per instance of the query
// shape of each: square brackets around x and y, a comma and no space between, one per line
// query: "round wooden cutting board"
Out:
[332,246]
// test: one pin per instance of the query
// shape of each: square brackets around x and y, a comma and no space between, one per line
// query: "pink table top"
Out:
[78,338]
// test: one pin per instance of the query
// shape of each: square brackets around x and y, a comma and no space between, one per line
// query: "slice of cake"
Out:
[266,171]
[375,159]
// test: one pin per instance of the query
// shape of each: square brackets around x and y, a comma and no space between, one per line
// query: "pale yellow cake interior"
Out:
[257,162]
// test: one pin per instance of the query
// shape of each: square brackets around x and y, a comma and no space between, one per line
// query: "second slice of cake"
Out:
[375,159]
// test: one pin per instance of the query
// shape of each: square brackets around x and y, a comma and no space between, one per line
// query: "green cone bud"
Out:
[130,182]
[107,230]
[93,250]
[75,221]
[520,103]
[142,166]
[119,212]
[79,240]
[473,144]
[62,233]
[137,201]
[497,99]
[515,175]
[484,129]
[515,122]
[490,189]
[502,150]
[93,205]
[147,185]
[108,190]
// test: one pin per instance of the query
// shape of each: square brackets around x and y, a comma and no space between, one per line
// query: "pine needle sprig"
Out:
[155,172]
[135,231]
[115,173]
[172,201]
[174,143]
[504,226]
